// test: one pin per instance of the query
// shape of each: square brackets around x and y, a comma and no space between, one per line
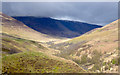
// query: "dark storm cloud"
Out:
[90,12]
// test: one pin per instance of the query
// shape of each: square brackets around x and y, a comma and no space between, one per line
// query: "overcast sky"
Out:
[100,13]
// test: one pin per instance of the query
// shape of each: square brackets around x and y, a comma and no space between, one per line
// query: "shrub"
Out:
[96,67]
[96,57]
[115,61]
[84,59]
[119,61]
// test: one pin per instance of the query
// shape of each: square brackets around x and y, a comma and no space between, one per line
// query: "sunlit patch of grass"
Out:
[88,37]
[35,62]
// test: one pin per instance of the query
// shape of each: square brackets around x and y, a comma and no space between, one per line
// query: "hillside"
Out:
[34,62]
[96,50]
[16,28]
[58,28]
[27,56]
[11,45]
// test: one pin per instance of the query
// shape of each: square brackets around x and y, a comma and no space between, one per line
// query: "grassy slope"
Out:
[16,28]
[102,39]
[36,62]
[11,45]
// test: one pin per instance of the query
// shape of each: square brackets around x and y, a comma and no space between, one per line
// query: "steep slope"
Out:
[96,50]
[16,28]
[53,27]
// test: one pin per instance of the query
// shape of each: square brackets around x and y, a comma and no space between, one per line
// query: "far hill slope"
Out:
[53,27]
[11,45]
[16,28]
[96,50]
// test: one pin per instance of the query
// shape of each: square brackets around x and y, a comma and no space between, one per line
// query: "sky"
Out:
[100,13]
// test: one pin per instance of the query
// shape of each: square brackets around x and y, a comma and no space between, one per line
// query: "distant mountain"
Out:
[59,28]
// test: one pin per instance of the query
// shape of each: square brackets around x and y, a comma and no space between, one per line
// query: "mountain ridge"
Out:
[58,19]
[53,27]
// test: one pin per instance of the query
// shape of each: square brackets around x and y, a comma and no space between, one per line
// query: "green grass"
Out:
[115,61]
[36,62]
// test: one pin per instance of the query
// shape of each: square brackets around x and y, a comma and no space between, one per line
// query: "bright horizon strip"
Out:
[60,0]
